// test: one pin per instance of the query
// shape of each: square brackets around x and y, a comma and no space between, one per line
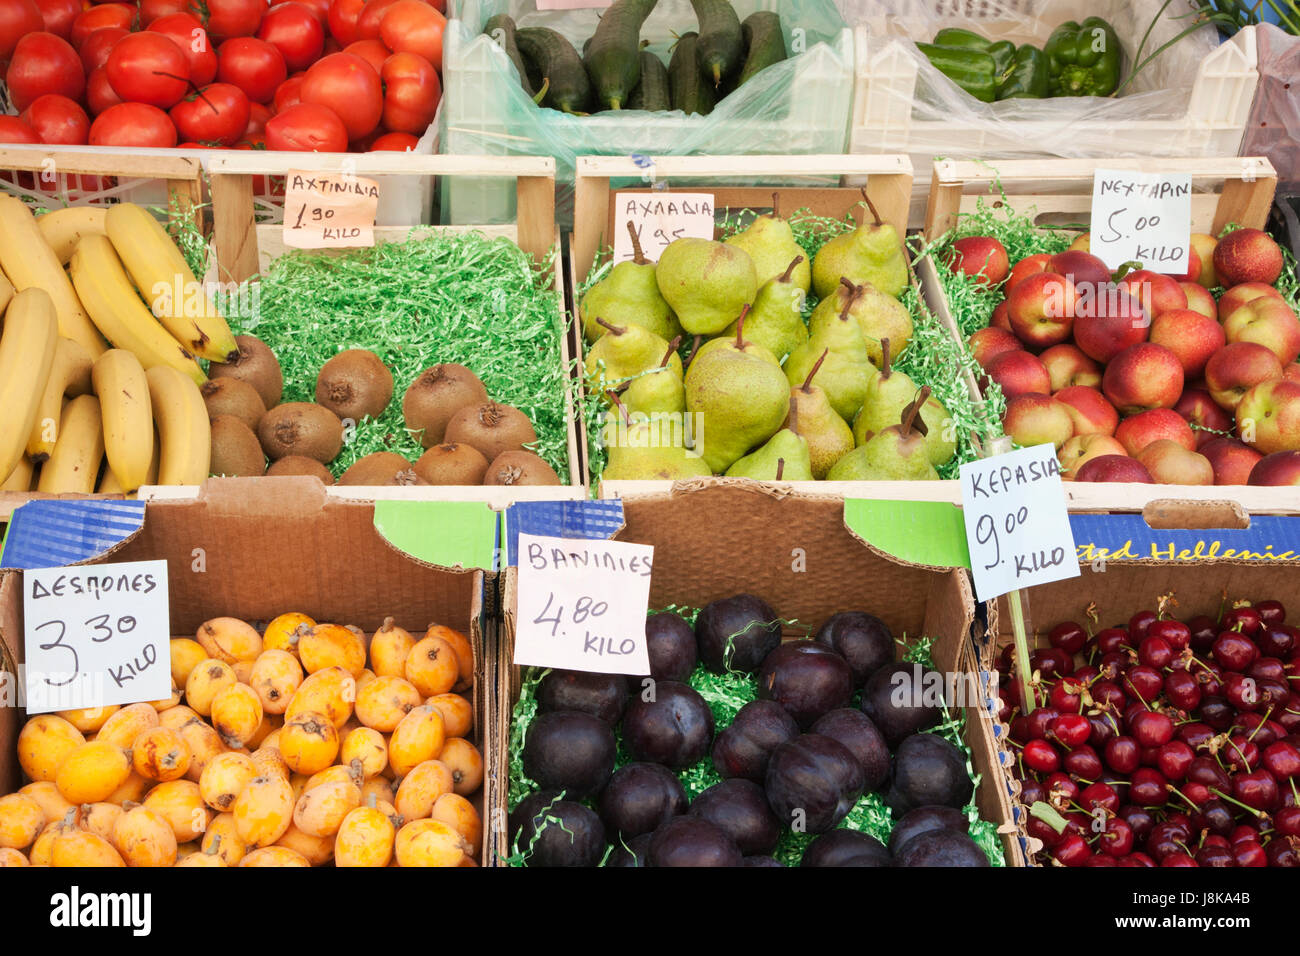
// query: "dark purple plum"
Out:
[923,820]
[928,771]
[601,695]
[564,834]
[739,808]
[764,861]
[941,848]
[861,639]
[631,853]
[674,729]
[736,633]
[844,847]
[813,780]
[807,679]
[903,699]
[690,841]
[671,644]
[856,732]
[743,749]
[640,797]
[570,751]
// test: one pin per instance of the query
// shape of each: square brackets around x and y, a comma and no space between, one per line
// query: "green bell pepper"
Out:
[960,39]
[972,70]
[1083,59]
[1003,53]
[1026,78]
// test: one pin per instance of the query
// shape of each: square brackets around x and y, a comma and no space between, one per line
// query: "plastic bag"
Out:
[800,105]
[1274,129]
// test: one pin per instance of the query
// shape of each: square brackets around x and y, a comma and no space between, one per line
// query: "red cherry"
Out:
[1287,821]
[1143,682]
[1117,838]
[1155,651]
[1277,640]
[1042,831]
[1083,762]
[1111,639]
[1108,695]
[1122,754]
[1071,729]
[1104,728]
[1217,712]
[1140,859]
[1178,859]
[1245,620]
[1148,788]
[1241,753]
[1249,853]
[1066,696]
[1272,613]
[1242,832]
[1032,791]
[1233,651]
[1282,760]
[1102,795]
[1177,634]
[1061,790]
[1100,859]
[1072,851]
[1068,636]
[1182,690]
[1257,789]
[1204,631]
[1041,756]
[1196,793]
[1040,722]
[1152,729]
[1139,819]
[1242,692]
[1174,759]
[1140,623]
[1214,856]
[1206,771]
[1283,851]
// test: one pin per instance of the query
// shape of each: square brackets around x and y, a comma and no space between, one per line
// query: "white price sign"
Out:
[1142,217]
[96,635]
[659,218]
[1017,527]
[582,604]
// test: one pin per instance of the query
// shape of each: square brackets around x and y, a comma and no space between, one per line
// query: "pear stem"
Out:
[672,347]
[695,347]
[637,255]
[740,327]
[807,382]
[871,206]
[776,207]
[780,468]
[622,409]
[884,360]
[789,270]
[615,329]
[910,413]
[792,416]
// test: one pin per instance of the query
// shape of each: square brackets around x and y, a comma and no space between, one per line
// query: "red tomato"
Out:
[187,33]
[253,65]
[371,14]
[321,8]
[308,127]
[57,15]
[215,114]
[94,52]
[290,92]
[411,93]
[148,68]
[394,142]
[412,26]
[151,10]
[43,63]
[331,46]
[293,29]
[372,51]
[132,124]
[99,92]
[14,129]
[234,18]
[98,17]
[350,87]
[257,117]
[17,19]
[343,20]
[57,120]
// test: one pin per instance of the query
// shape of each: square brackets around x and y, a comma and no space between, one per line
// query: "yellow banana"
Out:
[109,485]
[62,228]
[112,302]
[28,261]
[123,394]
[70,376]
[20,479]
[27,347]
[184,434]
[74,466]
[165,281]
[6,293]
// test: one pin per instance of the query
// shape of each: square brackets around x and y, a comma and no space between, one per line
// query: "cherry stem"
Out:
[637,255]
[616,329]
[672,347]
[1223,796]
[789,270]
[780,468]
[807,382]
[1267,714]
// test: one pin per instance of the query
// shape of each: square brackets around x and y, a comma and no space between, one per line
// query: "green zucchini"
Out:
[612,59]
[690,91]
[764,43]
[559,67]
[502,29]
[652,92]
[721,46]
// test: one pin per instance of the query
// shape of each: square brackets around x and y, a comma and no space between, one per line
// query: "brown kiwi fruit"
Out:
[491,428]
[452,464]
[436,395]
[293,465]
[233,396]
[354,384]
[520,468]
[236,452]
[378,468]
[257,365]
[301,428]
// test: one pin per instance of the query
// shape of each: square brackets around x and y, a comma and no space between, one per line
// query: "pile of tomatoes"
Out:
[315,75]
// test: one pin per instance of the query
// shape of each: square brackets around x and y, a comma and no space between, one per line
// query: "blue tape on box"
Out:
[595,520]
[54,533]
[1270,538]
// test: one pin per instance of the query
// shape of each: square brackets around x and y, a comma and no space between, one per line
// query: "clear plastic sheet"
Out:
[1274,129]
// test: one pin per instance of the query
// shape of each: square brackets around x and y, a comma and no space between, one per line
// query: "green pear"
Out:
[770,242]
[645,448]
[739,395]
[882,317]
[783,458]
[629,295]
[897,453]
[776,320]
[623,352]
[889,393]
[846,371]
[659,390]
[706,283]
[812,418]
[871,253]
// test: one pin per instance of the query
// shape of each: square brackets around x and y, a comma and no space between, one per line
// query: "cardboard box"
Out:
[292,548]
[808,556]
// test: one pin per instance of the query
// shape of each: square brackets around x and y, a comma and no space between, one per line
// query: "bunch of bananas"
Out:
[88,370]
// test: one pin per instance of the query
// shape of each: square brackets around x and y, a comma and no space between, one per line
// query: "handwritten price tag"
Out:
[1142,217]
[582,604]
[1017,527]
[96,635]
[329,210]
[659,218]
